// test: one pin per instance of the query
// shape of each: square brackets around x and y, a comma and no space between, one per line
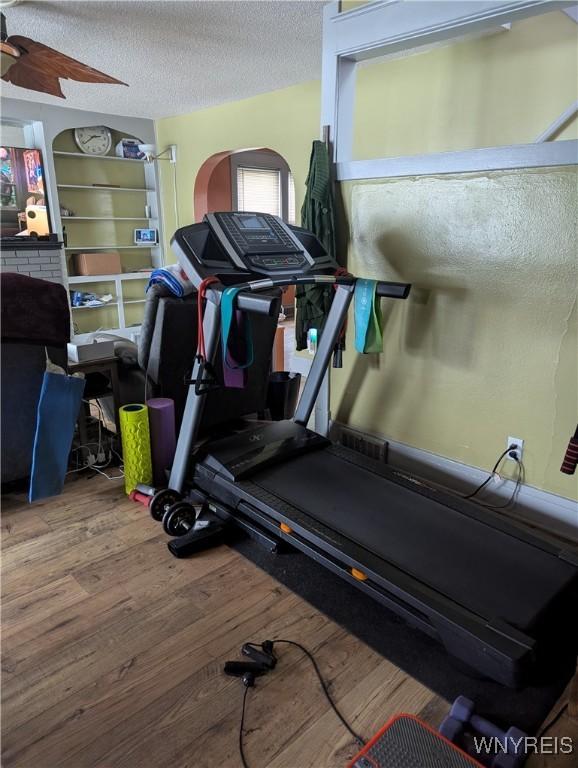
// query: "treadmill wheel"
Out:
[179,518]
[161,502]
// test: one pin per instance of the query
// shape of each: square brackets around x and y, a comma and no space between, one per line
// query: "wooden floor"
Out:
[113,650]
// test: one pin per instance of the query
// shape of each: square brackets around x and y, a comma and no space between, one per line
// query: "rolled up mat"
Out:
[163,439]
[56,415]
[136,447]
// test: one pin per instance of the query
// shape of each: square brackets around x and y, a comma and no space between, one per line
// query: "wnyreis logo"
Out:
[524,745]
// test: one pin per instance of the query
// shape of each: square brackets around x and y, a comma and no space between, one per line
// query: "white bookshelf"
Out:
[108,196]
[81,155]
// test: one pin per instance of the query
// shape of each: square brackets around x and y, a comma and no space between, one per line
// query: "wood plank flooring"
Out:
[113,650]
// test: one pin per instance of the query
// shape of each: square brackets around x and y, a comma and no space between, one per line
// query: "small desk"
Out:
[109,367]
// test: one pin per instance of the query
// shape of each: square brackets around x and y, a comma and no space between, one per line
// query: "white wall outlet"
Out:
[173,156]
[519,443]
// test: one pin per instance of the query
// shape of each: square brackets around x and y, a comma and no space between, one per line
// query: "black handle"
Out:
[393,290]
[261,305]
[239,668]
[261,657]
[197,540]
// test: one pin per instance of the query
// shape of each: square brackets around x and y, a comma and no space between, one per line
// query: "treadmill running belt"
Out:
[491,572]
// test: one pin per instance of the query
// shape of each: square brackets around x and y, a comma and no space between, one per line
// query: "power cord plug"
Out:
[513,452]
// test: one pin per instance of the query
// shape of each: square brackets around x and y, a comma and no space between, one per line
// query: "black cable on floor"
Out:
[241,751]
[324,688]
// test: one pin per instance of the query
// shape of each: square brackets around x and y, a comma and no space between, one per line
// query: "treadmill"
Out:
[499,597]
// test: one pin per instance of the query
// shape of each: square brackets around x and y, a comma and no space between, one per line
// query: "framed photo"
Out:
[146,236]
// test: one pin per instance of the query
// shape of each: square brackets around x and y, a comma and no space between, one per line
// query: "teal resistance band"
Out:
[368,321]
[227,314]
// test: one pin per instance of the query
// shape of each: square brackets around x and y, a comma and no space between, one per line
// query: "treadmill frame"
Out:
[491,645]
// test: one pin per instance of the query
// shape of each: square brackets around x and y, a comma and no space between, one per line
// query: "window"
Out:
[262,181]
[259,189]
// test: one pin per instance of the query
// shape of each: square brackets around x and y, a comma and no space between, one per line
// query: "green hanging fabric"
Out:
[368,320]
[317,215]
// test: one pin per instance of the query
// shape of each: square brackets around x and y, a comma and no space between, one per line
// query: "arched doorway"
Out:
[256,179]
[247,179]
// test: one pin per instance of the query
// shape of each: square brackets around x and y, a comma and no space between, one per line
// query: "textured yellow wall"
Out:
[486,345]
[505,88]
[286,121]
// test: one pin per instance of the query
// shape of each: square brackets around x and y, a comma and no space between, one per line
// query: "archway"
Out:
[216,182]
[234,179]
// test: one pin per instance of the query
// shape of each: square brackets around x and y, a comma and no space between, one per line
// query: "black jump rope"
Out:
[263,660]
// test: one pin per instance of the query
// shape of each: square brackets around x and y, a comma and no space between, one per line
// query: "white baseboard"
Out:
[547,511]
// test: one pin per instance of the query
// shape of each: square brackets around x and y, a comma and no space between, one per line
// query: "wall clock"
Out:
[95,140]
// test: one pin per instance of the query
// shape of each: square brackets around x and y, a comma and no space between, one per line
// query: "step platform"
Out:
[407,742]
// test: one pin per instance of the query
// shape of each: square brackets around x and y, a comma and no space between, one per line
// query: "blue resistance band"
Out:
[368,320]
[227,321]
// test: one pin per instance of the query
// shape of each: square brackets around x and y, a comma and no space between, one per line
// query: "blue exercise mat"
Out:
[58,407]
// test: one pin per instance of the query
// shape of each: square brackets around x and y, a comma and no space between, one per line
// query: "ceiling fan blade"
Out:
[40,68]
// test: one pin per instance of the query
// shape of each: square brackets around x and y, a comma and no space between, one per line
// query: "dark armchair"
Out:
[35,323]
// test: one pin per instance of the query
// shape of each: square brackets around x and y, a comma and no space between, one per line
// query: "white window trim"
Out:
[256,159]
[389,26]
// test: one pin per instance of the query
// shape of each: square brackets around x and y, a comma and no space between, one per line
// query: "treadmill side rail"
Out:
[500,652]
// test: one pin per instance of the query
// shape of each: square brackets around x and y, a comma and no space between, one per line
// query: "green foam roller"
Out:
[136,445]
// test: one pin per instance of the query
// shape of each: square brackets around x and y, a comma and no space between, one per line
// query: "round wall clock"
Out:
[95,140]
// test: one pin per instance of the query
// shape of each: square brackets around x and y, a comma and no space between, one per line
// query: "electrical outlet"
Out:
[173,157]
[519,443]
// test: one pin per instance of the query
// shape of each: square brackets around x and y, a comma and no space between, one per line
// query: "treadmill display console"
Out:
[261,239]
[235,244]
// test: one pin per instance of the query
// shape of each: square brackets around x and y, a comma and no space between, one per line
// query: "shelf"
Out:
[98,188]
[108,278]
[109,247]
[58,153]
[134,301]
[109,218]
[99,306]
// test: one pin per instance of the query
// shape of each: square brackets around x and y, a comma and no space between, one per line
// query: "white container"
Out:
[81,351]
[129,148]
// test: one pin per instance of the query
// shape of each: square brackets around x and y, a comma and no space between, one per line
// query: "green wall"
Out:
[505,88]
[486,345]
[285,121]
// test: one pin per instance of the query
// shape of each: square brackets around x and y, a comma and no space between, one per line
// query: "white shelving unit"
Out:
[107,218]
[105,199]
[106,247]
[102,187]
[58,153]
[120,303]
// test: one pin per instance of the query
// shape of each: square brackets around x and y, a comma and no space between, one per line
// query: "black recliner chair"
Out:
[163,362]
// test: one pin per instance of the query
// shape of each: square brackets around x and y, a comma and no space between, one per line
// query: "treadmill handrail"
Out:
[384,289]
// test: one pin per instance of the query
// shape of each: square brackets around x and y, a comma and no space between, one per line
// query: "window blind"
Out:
[291,200]
[259,189]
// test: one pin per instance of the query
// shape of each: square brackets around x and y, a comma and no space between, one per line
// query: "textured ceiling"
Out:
[176,55]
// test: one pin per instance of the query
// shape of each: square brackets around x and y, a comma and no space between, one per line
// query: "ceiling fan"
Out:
[37,67]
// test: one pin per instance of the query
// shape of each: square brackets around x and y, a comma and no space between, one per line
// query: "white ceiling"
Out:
[176,55]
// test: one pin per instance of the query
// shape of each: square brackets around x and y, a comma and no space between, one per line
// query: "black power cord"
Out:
[510,451]
[322,682]
[241,727]
[492,473]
